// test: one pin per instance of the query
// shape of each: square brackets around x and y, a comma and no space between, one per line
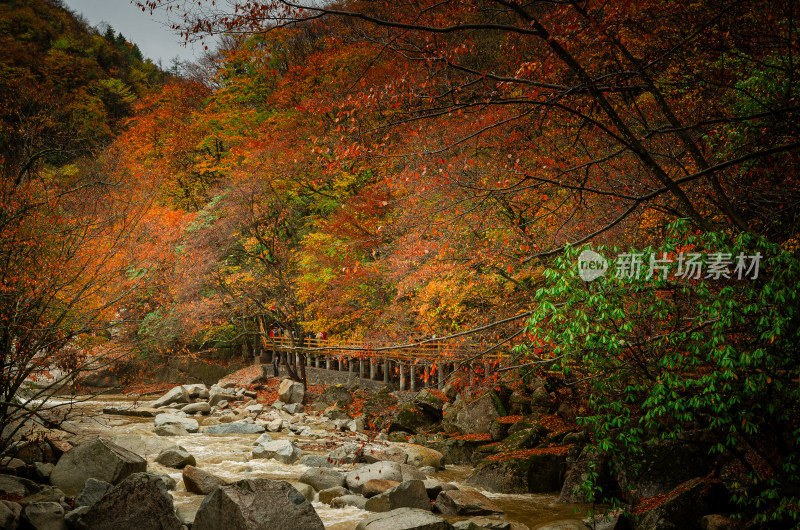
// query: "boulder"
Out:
[281,450]
[41,471]
[293,408]
[540,401]
[197,391]
[275,425]
[216,399]
[141,501]
[377,486]
[12,486]
[170,429]
[385,470]
[316,461]
[349,453]
[377,453]
[335,395]
[519,405]
[92,492]
[98,459]
[465,502]
[176,395]
[716,521]
[189,424]
[588,461]
[202,407]
[476,417]
[412,419]
[291,392]
[142,444]
[322,478]
[169,482]
[253,504]
[404,519]
[304,489]
[356,501]
[137,412]
[264,438]
[44,516]
[420,456]
[410,494]
[175,457]
[201,482]
[431,401]
[46,494]
[326,496]
[10,512]
[335,413]
[541,473]
[235,427]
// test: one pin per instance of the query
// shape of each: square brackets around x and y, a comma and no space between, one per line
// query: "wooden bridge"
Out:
[411,365]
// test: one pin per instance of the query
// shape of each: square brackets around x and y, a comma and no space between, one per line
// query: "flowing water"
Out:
[228,456]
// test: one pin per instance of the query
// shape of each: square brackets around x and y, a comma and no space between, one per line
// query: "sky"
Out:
[151,32]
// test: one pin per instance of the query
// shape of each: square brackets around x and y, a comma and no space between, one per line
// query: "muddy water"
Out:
[228,456]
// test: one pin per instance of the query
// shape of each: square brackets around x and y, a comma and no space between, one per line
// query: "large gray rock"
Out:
[201,482]
[216,399]
[356,501]
[535,474]
[189,424]
[92,492]
[98,459]
[143,445]
[420,456]
[378,453]
[465,502]
[477,416]
[573,492]
[375,487]
[44,516]
[253,504]
[326,496]
[316,461]
[139,502]
[409,494]
[18,486]
[335,395]
[322,478]
[281,450]
[47,494]
[197,391]
[202,407]
[10,512]
[385,470]
[291,391]
[170,429]
[349,453]
[404,519]
[235,427]
[175,457]
[126,410]
[176,395]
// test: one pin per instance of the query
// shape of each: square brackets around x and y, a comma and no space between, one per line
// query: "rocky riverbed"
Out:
[195,438]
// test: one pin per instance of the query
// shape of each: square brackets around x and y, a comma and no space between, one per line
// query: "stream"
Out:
[228,456]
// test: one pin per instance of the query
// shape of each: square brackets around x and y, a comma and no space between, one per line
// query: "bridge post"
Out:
[372,366]
[402,376]
[327,363]
[440,373]
[412,369]
[361,368]
[341,364]
[386,370]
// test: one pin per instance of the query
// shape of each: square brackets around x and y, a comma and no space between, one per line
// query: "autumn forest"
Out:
[397,172]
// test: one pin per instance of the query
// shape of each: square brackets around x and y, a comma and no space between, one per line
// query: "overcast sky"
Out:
[150,32]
